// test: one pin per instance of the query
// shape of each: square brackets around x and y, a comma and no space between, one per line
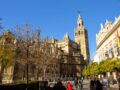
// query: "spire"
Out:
[115,18]
[37,35]
[53,39]
[79,16]
[66,37]
[107,24]
[79,21]
[106,21]
[101,26]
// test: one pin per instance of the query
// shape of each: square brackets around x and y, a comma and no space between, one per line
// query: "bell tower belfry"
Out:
[81,38]
[79,21]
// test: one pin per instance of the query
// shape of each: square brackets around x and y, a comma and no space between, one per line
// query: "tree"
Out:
[6,59]
[39,53]
[94,69]
[24,37]
[104,66]
[46,58]
[118,65]
[86,71]
[91,69]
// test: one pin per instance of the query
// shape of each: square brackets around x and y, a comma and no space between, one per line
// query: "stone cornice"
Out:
[109,33]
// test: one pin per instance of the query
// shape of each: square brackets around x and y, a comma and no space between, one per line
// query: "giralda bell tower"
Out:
[81,38]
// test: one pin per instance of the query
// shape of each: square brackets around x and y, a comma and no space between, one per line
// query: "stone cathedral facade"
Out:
[75,52]
[73,55]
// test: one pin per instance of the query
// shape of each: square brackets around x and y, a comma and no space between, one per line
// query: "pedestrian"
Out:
[80,86]
[99,85]
[119,81]
[59,86]
[92,84]
[105,83]
[69,86]
[76,82]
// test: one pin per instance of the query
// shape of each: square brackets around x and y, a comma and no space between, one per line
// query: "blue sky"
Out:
[56,17]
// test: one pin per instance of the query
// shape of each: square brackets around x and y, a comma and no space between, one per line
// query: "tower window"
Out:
[107,28]
[75,34]
[79,24]
[79,32]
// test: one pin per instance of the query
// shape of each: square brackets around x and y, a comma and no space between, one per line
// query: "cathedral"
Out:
[70,55]
[75,53]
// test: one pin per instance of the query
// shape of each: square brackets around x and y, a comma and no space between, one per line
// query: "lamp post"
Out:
[27,65]
[61,65]
[27,52]
[27,62]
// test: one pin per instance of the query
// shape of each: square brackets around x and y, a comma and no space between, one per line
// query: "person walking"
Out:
[99,85]
[59,86]
[92,84]
[119,82]
[69,86]
[105,83]
[76,82]
[80,86]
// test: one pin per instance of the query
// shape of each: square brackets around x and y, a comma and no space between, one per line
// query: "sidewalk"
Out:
[86,81]
[86,84]
[113,86]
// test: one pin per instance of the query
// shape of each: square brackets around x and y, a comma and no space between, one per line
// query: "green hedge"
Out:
[21,85]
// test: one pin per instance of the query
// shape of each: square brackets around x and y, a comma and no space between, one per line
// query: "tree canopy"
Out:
[104,66]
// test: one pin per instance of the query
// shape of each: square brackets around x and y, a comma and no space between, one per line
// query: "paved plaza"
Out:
[86,86]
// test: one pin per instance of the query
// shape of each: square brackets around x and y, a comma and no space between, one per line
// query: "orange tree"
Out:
[104,66]
[94,70]
[91,69]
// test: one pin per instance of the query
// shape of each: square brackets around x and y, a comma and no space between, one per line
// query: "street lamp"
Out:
[27,52]
[27,65]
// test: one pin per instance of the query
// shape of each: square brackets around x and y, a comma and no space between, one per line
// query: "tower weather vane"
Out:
[78,12]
